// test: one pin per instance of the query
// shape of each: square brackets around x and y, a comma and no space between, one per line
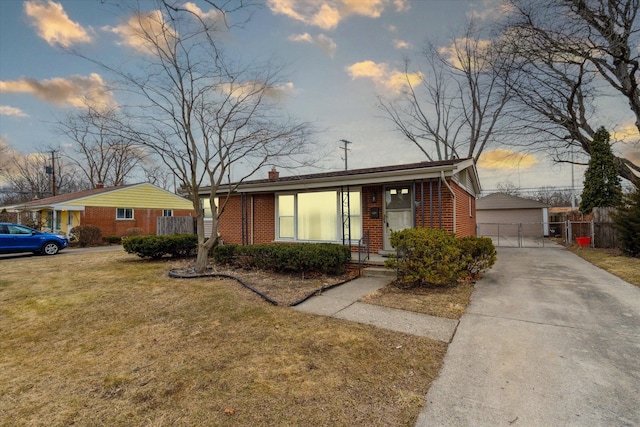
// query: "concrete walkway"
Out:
[548,340]
[342,302]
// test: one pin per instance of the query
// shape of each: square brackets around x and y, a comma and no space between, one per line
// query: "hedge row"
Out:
[437,257]
[300,257]
[155,247]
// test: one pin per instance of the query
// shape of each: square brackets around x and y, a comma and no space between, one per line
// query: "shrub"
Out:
[155,247]
[87,235]
[112,239]
[627,223]
[133,231]
[426,256]
[300,257]
[478,254]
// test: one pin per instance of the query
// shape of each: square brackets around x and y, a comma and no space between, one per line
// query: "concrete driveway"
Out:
[548,340]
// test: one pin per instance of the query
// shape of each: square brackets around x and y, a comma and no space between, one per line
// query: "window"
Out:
[124,213]
[316,216]
[206,207]
[167,212]
[286,208]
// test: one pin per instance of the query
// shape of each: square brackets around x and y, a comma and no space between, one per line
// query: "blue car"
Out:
[19,238]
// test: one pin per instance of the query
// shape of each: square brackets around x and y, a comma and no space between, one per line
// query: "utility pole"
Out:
[53,173]
[345,152]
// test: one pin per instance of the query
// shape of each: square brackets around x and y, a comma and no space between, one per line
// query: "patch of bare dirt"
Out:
[281,288]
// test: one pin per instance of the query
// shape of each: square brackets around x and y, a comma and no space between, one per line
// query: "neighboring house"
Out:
[514,214]
[350,206]
[113,209]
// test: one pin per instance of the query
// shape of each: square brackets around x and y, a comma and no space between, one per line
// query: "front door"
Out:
[398,214]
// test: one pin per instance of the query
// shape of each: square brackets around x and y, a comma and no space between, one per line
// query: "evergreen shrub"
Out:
[155,247]
[627,223]
[299,257]
[427,256]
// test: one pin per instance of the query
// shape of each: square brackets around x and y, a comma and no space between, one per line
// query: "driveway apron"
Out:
[548,340]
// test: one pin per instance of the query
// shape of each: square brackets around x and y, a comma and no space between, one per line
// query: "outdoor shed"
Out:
[507,215]
[113,209]
[359,207]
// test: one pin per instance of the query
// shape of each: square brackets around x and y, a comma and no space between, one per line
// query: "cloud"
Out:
[325,43]
[401,44]
[457,48]
[382,76]
[328,14]
[145,32]
[501,159]
[252,89]
[5,110]
[211,17]
[77,91]
[54,25]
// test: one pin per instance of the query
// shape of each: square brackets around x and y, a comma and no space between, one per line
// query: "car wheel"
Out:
[50,248]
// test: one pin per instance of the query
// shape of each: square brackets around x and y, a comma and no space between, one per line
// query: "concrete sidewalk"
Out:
[548,340]
[342,302]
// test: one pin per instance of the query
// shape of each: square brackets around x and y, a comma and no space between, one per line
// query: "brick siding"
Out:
[105,219]
[263,228]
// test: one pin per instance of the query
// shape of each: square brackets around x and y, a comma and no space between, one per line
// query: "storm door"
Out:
[398,214]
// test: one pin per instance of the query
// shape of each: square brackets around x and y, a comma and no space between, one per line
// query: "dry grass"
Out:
[625,267]
[449,302]
[107,340]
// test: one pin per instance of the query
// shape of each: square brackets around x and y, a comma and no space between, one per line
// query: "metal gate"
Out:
[525,234]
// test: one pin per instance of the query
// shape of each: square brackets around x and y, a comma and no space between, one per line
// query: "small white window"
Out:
[124,213]
[167,212]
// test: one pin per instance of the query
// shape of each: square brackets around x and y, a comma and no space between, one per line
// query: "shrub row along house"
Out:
[351,207]
[112,209]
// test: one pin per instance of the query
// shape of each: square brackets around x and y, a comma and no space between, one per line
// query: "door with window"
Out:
[398,214]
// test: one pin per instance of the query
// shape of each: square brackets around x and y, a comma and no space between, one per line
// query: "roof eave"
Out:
[378,177]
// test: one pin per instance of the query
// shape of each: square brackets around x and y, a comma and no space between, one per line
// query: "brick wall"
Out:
[263,227]
[105,219]
[375,226]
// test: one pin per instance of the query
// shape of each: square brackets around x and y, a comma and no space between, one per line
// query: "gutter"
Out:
[454,199]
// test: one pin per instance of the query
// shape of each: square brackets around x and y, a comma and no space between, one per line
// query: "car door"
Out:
[23,238]
[4,238]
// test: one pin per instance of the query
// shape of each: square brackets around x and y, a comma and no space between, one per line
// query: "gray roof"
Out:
[506,201]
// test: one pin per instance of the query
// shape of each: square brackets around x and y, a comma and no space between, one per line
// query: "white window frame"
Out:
[124,210]
[167,211]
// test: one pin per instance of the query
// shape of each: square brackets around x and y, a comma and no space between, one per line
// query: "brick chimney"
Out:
[274,174]
[99,185]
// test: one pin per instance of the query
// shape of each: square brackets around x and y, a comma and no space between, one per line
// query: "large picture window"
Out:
[316,216]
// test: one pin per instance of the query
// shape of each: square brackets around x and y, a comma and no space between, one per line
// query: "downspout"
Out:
[454,199]
[251,222]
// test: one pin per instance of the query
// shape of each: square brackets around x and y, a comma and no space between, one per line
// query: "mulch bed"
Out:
[284,289]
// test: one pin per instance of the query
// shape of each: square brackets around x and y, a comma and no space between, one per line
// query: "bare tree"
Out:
[101,150]
[572,56]
[457,110]
[30,176]
[204,115]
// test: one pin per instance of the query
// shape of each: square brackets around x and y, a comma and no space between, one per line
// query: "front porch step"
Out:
[378,272]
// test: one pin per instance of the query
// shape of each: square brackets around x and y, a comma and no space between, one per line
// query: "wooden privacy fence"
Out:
[600,229]
[169,225]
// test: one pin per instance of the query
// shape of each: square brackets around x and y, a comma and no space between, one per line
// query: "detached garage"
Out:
[505,216]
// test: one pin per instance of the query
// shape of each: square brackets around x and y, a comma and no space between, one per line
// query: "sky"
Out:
[340,55]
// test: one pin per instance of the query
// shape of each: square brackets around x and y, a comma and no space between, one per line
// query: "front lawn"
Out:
[611,260]
[106,339]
